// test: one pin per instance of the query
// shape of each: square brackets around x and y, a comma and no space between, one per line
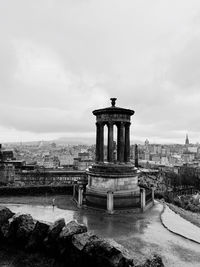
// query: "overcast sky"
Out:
[61,59]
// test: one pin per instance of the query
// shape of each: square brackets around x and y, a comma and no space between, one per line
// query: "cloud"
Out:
[62,59]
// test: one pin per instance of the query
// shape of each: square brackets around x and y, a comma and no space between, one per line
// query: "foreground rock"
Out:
[71,229]
[80,240]
[65,237]
[69,244]
[78,256]
[20,228]
[155,261]
[38,235]
[5,215]
[50,242]
[100,252]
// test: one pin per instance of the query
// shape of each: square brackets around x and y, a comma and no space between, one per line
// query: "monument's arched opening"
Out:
[115,143]
[105,143]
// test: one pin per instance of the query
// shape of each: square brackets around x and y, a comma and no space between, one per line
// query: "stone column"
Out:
[110,202]
[110,142]
[142,195]
[120,142]
[101,142]
[127,143]
[84,196]
[97,141]
[74,190]
[80,196]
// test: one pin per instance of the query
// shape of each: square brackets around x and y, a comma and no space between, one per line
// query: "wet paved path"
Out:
[175,223]
[141,234]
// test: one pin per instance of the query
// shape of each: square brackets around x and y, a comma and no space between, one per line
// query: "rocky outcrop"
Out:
[69,243]
[69,231]
[20,228]
[38,235]
[154,261]
[80,240]
[50,242]
[55,229]
[65,240]
[106,253]
[77,252]
[5,215]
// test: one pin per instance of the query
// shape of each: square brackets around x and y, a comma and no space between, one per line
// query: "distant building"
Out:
[66,160]
[146,143]
[146,151]
[188,156]
[156,149]
[7,168]
[187,140]
[83,161]
[146,155]
[51,162]
[7,173]
[53,145]
[7,155]
[84,155]
[82,165]
[155,158]
[164,161]
[192,149]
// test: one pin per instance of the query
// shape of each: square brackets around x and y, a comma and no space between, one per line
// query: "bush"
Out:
[158,195]
[177,202]
[187,203]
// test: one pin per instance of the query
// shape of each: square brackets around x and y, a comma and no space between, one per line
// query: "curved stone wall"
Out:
[123,183]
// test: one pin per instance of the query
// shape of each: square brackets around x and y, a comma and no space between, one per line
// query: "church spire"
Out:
[187,140]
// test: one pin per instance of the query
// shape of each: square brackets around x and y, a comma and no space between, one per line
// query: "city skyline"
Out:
[60,61]
[88,141]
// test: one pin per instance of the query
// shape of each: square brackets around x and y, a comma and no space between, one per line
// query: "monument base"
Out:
[113,186]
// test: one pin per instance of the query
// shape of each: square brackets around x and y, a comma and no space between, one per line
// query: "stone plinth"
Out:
[122,180]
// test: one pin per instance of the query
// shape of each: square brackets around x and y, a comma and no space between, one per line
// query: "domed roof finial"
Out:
[113,100]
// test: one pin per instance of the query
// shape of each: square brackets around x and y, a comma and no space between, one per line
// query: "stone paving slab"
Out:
[178,225]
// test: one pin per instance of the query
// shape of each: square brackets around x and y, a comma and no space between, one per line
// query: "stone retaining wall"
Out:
[71,243]
[35,190]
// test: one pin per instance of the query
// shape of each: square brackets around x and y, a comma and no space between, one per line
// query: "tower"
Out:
[187,140]
[109,117]
[113,180]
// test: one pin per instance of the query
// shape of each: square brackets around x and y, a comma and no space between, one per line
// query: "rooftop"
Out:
[113,109]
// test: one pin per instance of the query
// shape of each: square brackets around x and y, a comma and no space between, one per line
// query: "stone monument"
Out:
[113,181]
